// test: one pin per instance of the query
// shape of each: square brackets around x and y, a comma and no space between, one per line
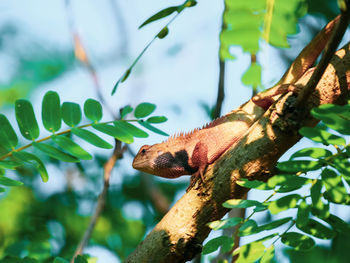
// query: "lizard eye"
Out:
[144,149]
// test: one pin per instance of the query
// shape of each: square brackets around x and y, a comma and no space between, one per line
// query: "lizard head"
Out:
[153,160]
[144,159]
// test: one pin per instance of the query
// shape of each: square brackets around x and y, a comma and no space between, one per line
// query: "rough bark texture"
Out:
[179,235]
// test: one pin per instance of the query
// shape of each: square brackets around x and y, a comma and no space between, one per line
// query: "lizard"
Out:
[190,153]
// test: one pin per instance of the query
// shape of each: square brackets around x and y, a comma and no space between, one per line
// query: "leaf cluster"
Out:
[61,145]
[313,218]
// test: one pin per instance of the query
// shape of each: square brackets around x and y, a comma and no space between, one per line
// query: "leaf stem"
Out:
[127,72]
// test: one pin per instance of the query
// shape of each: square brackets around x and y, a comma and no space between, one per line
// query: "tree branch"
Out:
[179,235]
[108,167]
[330,48]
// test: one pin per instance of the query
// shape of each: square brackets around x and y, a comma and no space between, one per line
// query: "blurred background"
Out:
[80,48]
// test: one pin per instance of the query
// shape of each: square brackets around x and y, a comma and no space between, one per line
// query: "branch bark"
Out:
[179,235]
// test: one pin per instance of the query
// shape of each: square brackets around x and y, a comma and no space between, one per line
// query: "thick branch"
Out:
[331,47]
[179,235]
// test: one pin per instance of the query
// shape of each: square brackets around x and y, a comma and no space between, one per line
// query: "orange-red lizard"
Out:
[190,153]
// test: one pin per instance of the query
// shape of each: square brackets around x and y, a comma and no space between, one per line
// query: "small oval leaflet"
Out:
[91,138]
[317,229]
[93,110]
[34,161]
[157,119]
[71,113]
[133,130]
[284,203]
[161,14]
[212,245]
[55,153]
[71,147]
[298,241]
[319,134]
[26,120]
[9,182]
[8,137]
[144,109]
[51,111]
[226,223]
[163,33]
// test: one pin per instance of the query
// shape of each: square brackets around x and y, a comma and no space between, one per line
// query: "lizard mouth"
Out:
[141,165]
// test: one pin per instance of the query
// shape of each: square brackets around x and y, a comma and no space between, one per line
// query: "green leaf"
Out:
[151,127]
[9,182]
[60,260]
[51,111]
[34,161]
[287,182]
[241,203]
[249,252]
[226,223]
[26,119]
[114,131]
[80,259]
[126,75]
[316,229]
[343,166]
[93,110]
[253,184]
[319,134]
[284,203]
[71,147]
[163,33]
[2,190]
[299,166]
[55,153]
[125,111]
[9,164]
[274,224]
[252,77]
[303,213]
[336,191]
[212,245]
[161,14]
[115,87]
[144,109]
[331,115]
[247,228]
[298,241]
[133,130]
[338,224]
[8,137]
[92,138]
[268,255]
[316,191]
[71,113]
[312,152]
[157,119]
[320,209]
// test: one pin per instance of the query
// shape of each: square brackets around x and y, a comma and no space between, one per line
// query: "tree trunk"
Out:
[179,235]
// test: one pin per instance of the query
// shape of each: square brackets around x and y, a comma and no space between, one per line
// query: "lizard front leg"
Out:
[199,159]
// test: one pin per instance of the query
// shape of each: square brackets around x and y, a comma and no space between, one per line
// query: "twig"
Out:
[108,167]
[120,22]
[221,86]
[81,55]
[328,54]
[221,90]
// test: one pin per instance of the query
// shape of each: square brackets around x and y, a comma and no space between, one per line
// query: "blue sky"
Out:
[176,73]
